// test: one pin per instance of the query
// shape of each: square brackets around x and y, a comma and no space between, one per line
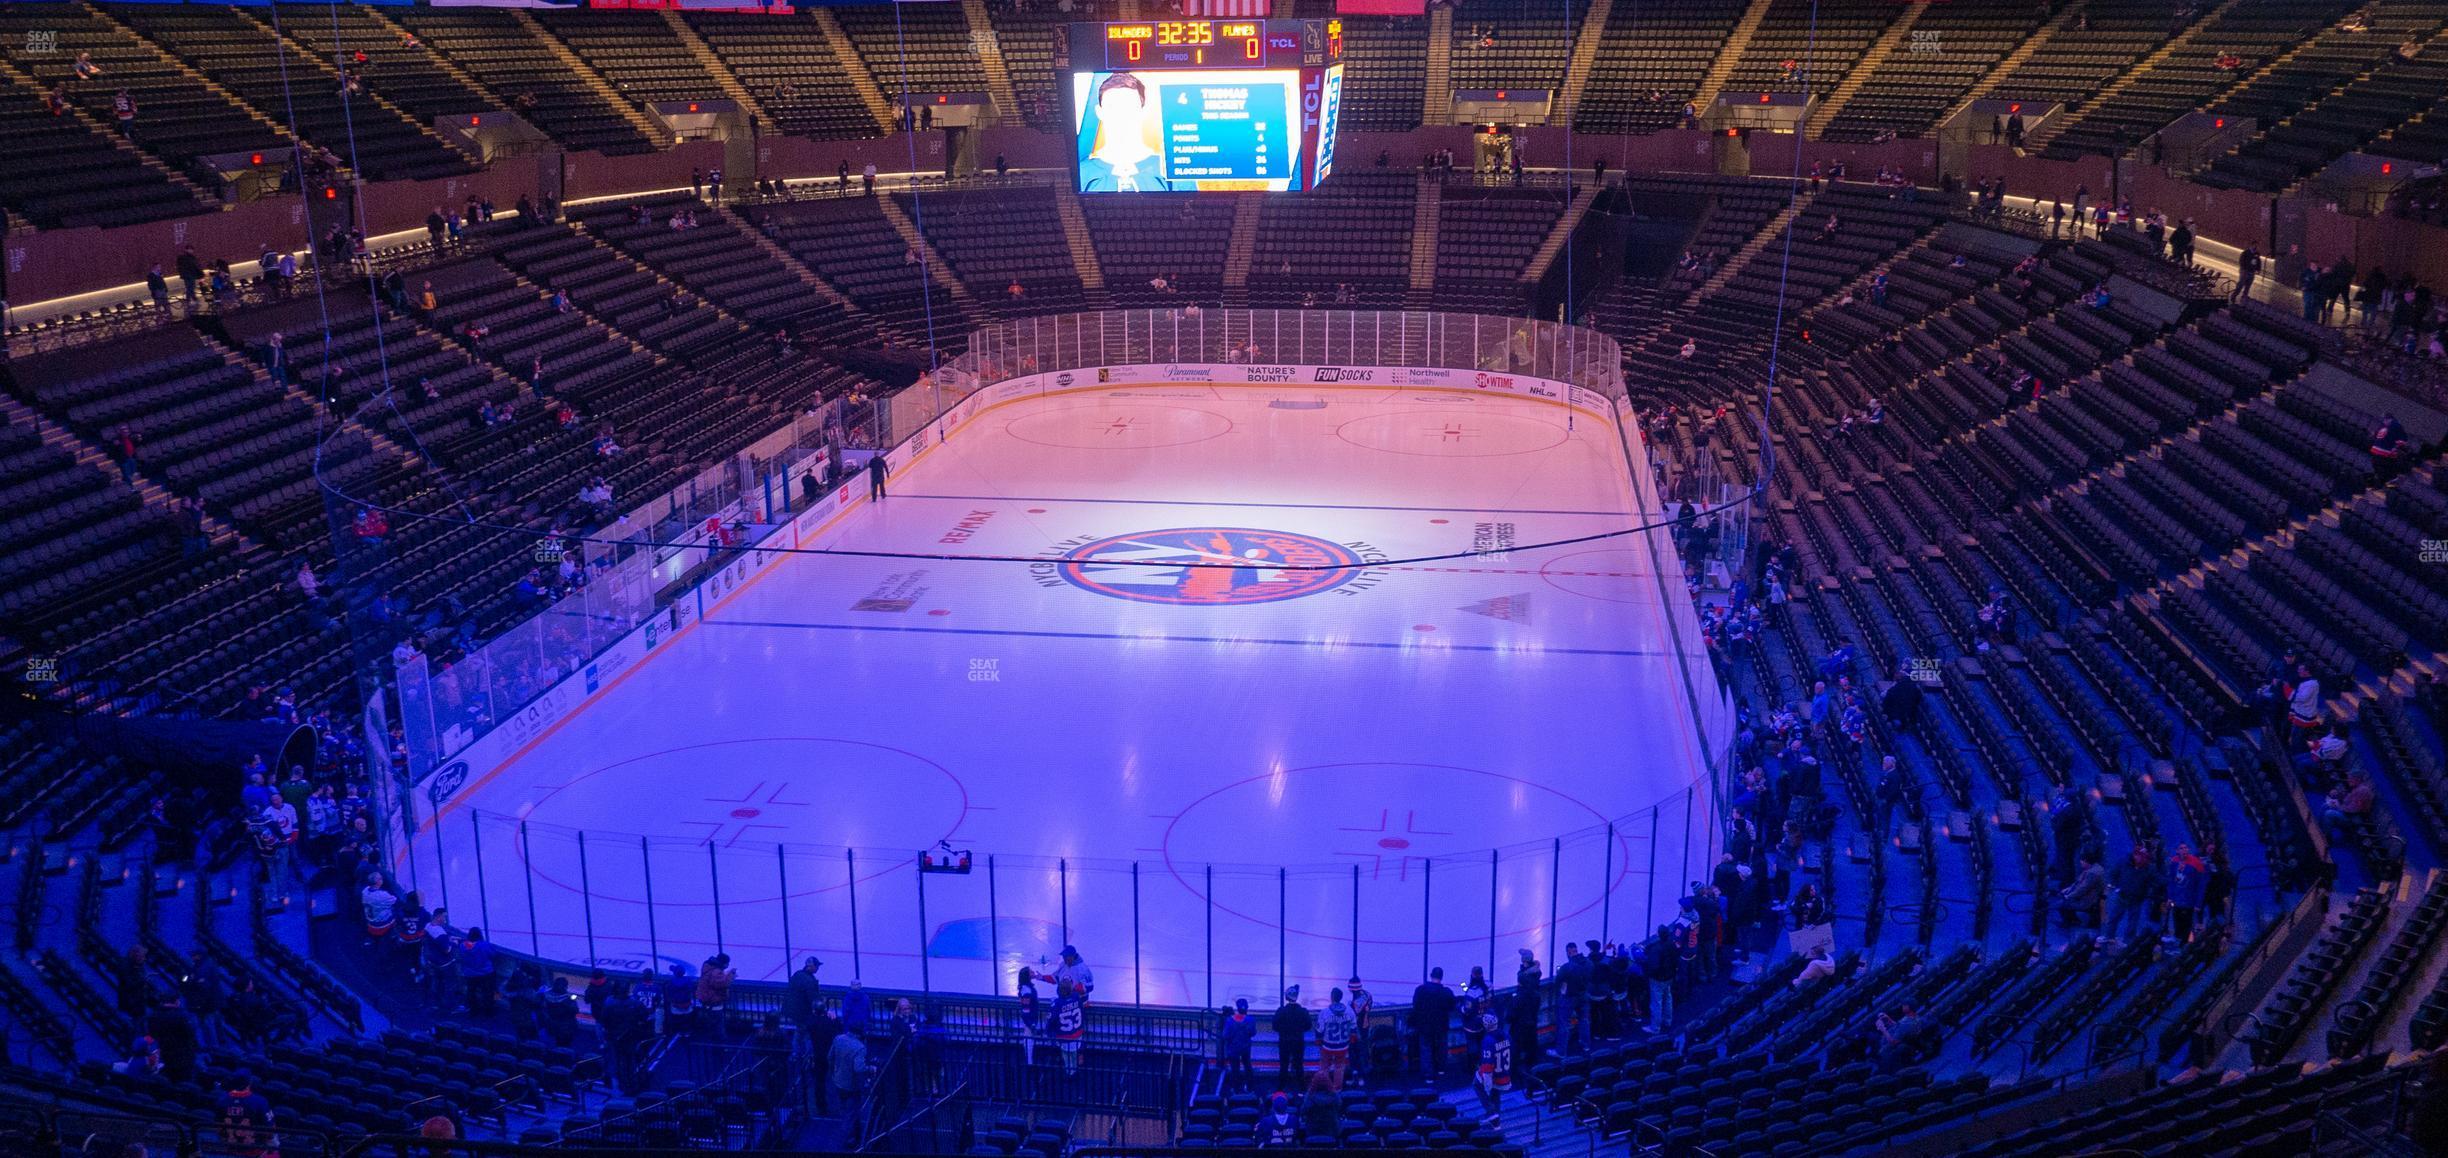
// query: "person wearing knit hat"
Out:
[1280,1127]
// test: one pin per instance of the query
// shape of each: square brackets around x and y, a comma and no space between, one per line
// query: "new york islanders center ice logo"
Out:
[1210,566]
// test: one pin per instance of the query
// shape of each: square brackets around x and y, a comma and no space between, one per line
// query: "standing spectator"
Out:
[1658,958]
[1335,1029]
[435,227]
[1363,1006]
[1075,972]
[802,995]
[1292,1022]
[379,905]
[828,1028]
[1070,1022]
[123,111]
[846,1079]
[1573,982]
[2187,878]
[476,972]
[714,991]
[857,1008]
[2218,889]
[127,438]
[867,177]
[875,476]
[202,993]
[1431,1022]
[190,271]
[176,1031]
[159,288]
[1495,1074]
[1028,1021]
[1524,1014]
[679,1003]
[1233,1040]
[557,1012]
[135,983]
[2134,885]
[2248,269]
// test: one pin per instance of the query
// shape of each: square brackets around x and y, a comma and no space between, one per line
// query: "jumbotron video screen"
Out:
[1190,106]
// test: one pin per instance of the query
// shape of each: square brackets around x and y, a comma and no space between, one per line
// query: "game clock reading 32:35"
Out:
[1211,44]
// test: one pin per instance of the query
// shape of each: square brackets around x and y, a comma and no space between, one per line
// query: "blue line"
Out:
[1014,633]
[1269,506]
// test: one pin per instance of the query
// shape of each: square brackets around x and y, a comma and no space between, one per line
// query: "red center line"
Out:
[1525,571]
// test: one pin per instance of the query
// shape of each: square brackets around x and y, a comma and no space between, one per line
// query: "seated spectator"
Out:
[144,1059]
[2323,755]
[2348,803]
[2304,699]
[1321,1107]
[2078,903]
[1904,1037]
[1816,966]
[1279,1127]
[2389,442]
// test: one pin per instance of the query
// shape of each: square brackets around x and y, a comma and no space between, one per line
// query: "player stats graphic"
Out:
[1189,131]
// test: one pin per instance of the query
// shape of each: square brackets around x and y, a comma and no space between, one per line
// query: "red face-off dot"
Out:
[1423,627]
[1036,510]
[940,611]
[1440,522]
[1393,842]
[746,813]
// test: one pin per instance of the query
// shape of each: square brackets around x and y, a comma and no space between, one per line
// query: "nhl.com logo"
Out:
[1063,379]
[1342,374]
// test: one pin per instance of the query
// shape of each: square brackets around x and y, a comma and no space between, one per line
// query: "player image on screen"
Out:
[1194,130]
[1119,156]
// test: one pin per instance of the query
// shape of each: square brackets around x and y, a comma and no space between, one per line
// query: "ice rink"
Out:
[1222,772]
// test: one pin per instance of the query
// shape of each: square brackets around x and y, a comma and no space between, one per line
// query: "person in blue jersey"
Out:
[1495,1067]
[1070,1023]
[1121,162]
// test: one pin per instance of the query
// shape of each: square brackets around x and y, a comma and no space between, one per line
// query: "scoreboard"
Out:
[1147,44]
[1189,106]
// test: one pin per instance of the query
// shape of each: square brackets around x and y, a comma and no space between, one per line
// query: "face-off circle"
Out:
[1209,566]
[745,796]
[1108,426]
[1387,819]
[1453,433]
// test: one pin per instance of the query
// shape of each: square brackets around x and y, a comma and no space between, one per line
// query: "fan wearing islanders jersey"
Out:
[1495,1066]
[1070,1023]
